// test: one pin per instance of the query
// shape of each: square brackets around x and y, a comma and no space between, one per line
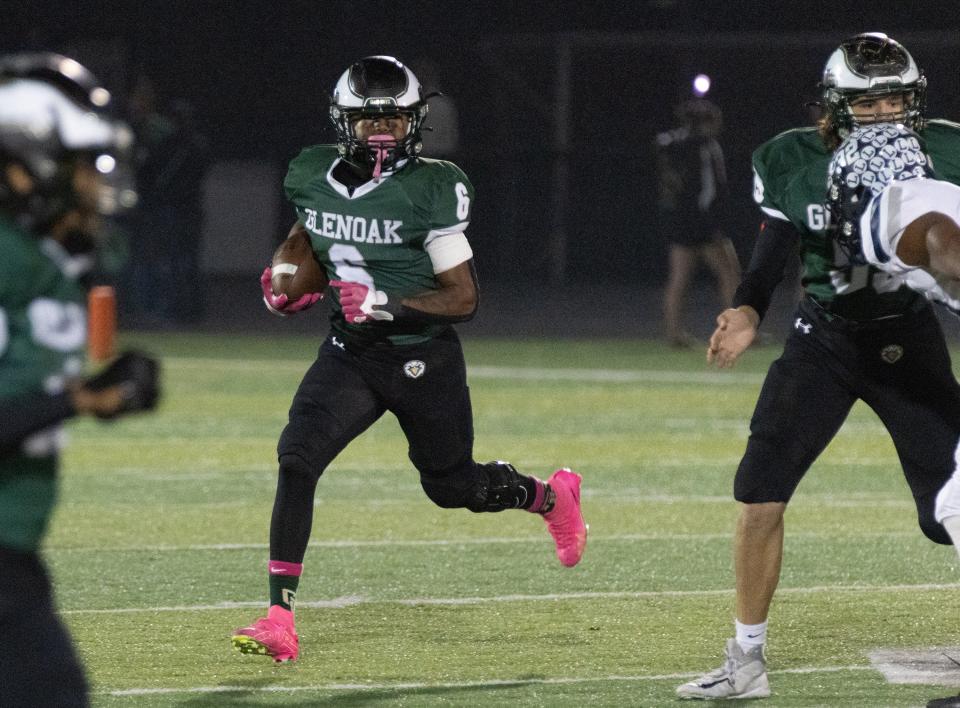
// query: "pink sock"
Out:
[284,568]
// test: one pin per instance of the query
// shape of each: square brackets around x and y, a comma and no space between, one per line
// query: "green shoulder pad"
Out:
[777,161]
[312,163]
[942,143]
[449,191]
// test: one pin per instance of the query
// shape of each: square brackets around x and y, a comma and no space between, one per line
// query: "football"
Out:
[295,270]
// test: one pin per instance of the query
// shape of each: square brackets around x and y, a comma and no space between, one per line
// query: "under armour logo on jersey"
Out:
[337,343]
[414,368]
[891,353]
[804,327]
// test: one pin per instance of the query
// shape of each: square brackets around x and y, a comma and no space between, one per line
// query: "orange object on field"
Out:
[102,322]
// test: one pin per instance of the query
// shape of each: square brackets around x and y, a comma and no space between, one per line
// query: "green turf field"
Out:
[158,547]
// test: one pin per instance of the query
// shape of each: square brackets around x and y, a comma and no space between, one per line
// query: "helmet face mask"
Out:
[54,124]
[372,88]
[872,66]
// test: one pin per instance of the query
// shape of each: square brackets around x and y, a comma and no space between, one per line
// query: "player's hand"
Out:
[280,305]
[130,383]
[736,330]
[359,303]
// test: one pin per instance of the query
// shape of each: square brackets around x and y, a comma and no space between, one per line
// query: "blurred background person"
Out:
[61,155]
[172,158]
[692,187]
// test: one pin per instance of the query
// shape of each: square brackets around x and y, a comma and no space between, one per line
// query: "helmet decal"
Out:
[378,83]
[873,56]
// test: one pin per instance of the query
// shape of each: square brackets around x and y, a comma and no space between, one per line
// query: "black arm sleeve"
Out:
[411,314]
[776,242]
[22,416]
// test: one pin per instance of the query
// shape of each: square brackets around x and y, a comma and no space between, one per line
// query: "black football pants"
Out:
[900,368]
[350,386]
[38,666]
[343,393]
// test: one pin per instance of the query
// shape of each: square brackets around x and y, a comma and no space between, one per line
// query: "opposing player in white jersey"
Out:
[890,211]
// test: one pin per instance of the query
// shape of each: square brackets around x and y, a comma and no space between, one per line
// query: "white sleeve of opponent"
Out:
[899,205]
[888,216]
[447,249]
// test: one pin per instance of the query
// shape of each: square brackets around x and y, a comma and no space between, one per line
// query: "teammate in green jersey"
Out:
[389,227]
[60,163]
[859,333]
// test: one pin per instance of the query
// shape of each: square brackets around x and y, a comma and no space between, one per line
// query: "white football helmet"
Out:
[378,85]
[53,112]
[872,64]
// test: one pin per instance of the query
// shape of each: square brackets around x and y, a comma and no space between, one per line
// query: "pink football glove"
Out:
[359,302]
[279,304]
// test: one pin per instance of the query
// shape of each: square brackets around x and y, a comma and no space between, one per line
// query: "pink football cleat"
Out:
[273,635]
[564,521]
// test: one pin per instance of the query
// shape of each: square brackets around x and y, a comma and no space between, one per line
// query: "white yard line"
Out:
[412,686]
[641,376]
[510,373]
[473,541]
[353,600]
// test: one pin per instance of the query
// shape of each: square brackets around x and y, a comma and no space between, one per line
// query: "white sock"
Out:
[952,525]
[751,635]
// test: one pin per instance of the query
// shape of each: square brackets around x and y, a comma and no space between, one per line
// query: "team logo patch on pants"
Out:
[891,353]
[414,368]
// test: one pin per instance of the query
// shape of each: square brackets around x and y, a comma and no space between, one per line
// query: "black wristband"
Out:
[402,313]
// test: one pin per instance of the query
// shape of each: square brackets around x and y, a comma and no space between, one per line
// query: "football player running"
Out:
[859,333]
[61,160]
[888,209]
[389,227]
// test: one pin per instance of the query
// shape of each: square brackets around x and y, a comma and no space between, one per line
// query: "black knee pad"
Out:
[493,486]
[294,466]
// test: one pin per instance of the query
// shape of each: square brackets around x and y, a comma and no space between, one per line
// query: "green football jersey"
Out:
[43,331]
[377,235]
[790,183]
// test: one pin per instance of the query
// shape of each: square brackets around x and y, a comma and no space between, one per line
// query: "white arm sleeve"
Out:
[448,250]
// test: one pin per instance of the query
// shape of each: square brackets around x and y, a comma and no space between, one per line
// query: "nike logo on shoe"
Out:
[711,685]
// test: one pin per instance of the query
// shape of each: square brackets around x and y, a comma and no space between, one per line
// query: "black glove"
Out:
[138,374]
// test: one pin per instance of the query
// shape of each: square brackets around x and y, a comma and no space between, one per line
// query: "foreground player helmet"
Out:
[872,64]
[377,86]
[870,158]
[54,113]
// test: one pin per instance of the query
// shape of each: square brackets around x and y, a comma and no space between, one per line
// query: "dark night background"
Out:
[562,167]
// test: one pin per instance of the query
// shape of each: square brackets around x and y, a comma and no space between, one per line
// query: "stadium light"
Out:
[701,84]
